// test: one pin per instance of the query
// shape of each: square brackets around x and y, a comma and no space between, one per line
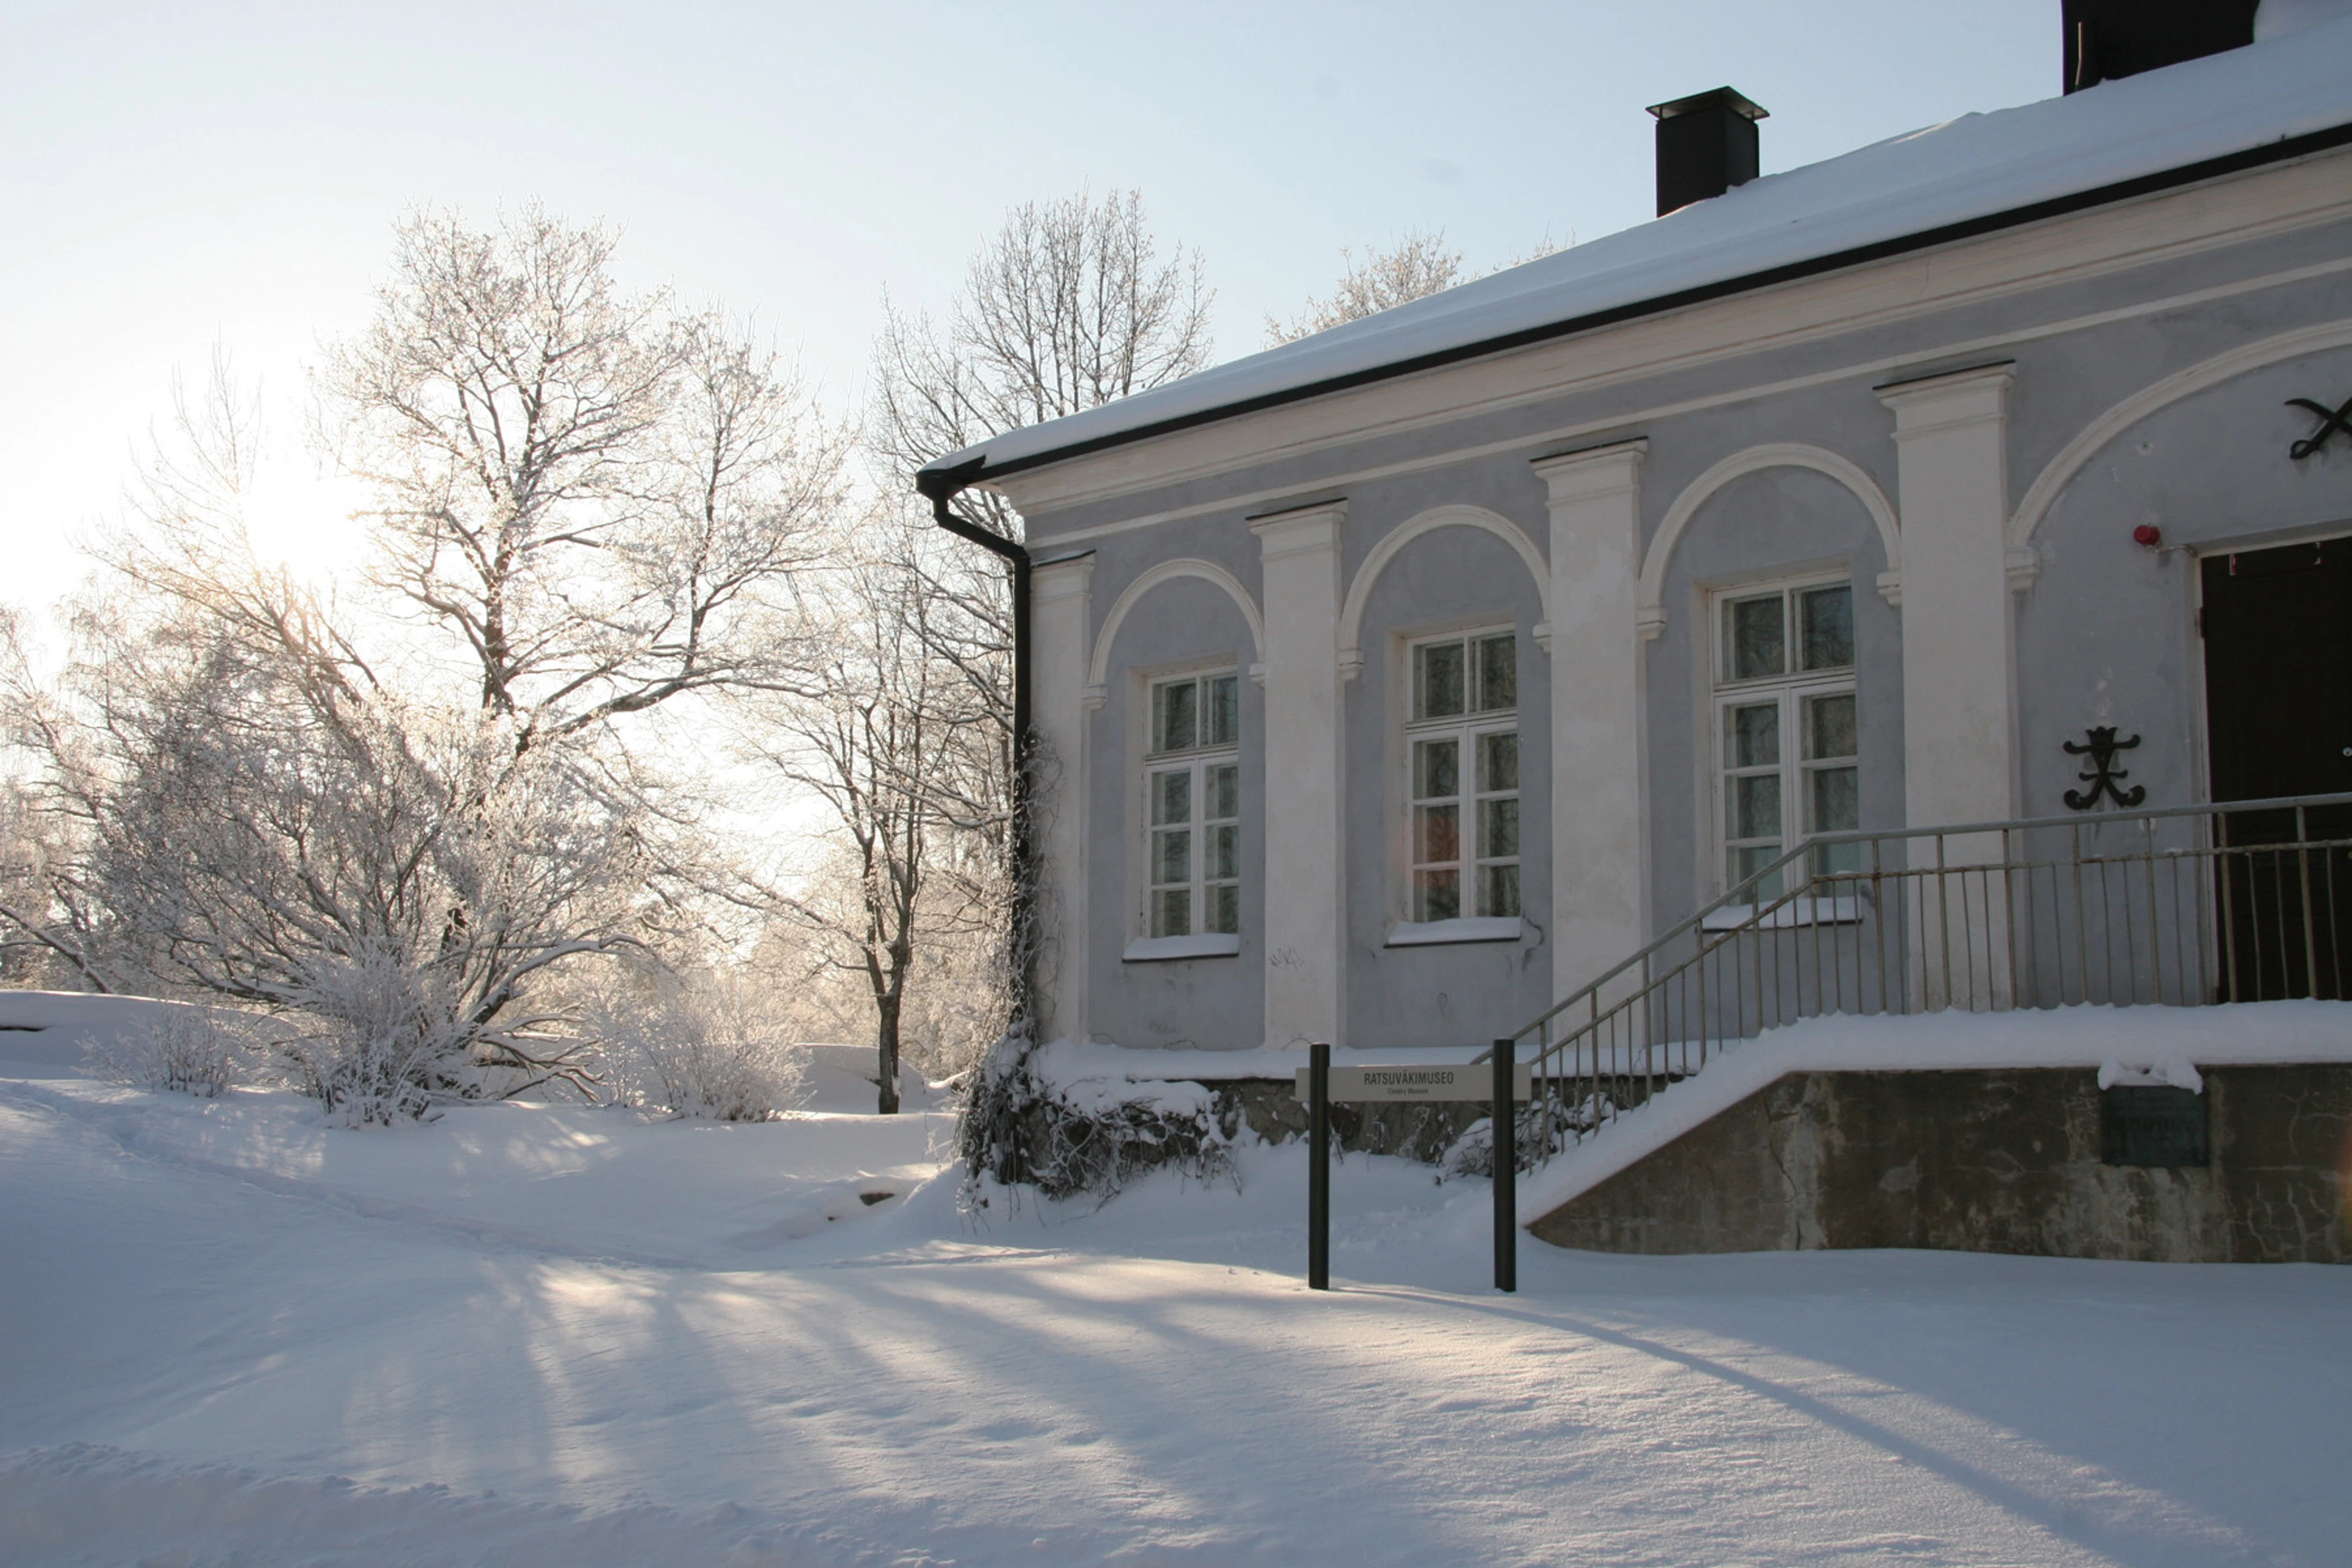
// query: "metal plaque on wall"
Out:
[2153,1124]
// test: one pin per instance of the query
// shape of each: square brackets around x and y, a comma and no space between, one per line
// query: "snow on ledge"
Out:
[2133,1044]
[1157,949]
[1429,933]
[1795,912]
[1064,1063]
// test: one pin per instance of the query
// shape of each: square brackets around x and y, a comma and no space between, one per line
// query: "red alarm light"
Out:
[2148,535]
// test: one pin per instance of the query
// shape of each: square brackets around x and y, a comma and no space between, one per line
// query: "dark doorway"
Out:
[2278,720]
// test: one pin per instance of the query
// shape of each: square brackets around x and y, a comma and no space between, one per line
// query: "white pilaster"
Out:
[1306,917]
[1958,748]
[1060,636]
[1959,732]
[1599,836]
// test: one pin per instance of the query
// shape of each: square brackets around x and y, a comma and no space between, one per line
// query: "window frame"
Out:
[1790,691]
[1472,920]
[1197,763]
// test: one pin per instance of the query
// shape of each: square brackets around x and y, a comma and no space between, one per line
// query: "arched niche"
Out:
[1098,670]
[1651,614]
[1394,543]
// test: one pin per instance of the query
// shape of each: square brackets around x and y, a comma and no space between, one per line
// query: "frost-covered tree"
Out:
[593,500]
[1068,306]
[883,734]
[35,852]
[401,821]
[1071,304]
[261,819]
[1415,267]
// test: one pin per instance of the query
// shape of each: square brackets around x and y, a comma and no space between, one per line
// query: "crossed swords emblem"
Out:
[2331,420]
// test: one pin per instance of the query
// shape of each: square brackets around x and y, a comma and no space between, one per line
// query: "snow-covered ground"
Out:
[532,1334]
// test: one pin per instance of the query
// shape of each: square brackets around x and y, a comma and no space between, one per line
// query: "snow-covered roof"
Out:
[1969,175]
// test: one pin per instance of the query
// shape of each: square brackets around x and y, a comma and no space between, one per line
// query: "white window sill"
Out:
[1159,949]
[1795,912]
[1432,933]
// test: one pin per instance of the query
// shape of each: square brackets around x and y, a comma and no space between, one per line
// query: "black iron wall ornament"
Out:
[2331,420]
[2101,749]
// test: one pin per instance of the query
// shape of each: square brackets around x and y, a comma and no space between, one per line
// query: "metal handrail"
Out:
[1732,899]
[1965,927]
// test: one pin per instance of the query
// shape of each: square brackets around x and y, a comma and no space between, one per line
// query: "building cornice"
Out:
[1765,316]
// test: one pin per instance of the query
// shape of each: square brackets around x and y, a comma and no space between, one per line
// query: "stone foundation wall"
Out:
[1986,1162]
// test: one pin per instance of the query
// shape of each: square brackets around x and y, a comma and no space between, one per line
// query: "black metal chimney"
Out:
[2110,38]
[1706,144]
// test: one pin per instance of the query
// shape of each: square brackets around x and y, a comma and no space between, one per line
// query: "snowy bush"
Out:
[1094,1136]
[1473,1154]
[185,1050]
[1097,1137]
[993,1106]
[704,1045]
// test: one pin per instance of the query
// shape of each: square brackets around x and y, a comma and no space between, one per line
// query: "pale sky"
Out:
[173,175]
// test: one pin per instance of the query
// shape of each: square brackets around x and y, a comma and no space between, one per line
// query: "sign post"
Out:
[1506,1169]
[1319,1167]
[1505,1086]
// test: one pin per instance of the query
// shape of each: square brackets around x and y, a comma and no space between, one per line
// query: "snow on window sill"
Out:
[1431,934]
[1795,912]
[1209,944]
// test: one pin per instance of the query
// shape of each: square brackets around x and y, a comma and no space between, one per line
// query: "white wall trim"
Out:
[1651,612]
[1306,798]
[1098,671]
[1599,766]
[1359,590]
[2185,383]
[1061,596]
[1654,414]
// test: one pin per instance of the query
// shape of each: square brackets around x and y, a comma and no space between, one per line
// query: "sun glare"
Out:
[301,520]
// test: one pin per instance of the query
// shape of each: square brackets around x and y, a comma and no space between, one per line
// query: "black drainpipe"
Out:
[939,487]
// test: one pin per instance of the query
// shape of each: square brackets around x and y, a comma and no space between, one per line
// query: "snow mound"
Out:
[49,1034]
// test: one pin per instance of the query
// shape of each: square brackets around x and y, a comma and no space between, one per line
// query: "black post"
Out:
[1319,1167]
[1506,1169]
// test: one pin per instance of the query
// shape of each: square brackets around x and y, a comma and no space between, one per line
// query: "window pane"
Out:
[1499,673]
[1224,913]
[1498,890]
[1437,833]
[1836,805]
[1437,679]
[1436,895]
[1837,861]
[1828,615]
[1753,639]
[1224,792]
[1436,769]
[1174,715]
[1829,727]
[1224,712]
[1746,862]
[1751,735]
[1224,853]
[1171,913]
[1756,806]
[1171,797]
[1498,828]
[1498,762]
[1171,856]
